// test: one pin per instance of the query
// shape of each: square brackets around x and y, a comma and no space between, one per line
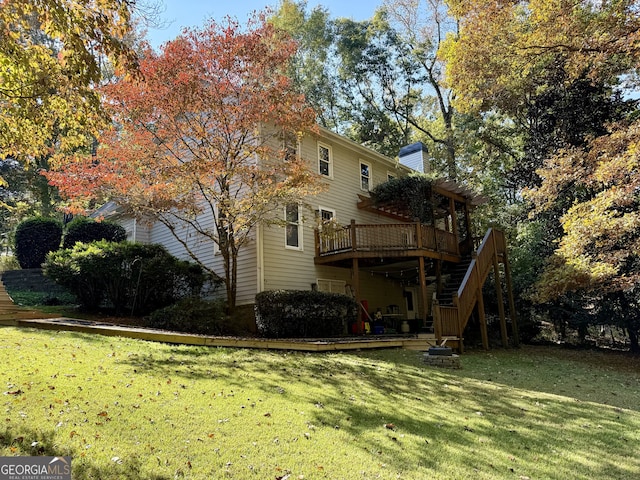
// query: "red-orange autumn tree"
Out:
[200,143]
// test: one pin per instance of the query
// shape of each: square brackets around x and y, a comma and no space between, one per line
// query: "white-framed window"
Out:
[289,145]
[365,176]
[325,161]
[331,286]
[293,228]
[326,214]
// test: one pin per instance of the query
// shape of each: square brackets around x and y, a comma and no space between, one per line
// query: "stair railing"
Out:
[453,320]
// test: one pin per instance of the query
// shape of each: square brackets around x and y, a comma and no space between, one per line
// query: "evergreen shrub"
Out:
[193,315]
[87,230]
[34,238]
[132,277]
[302,313]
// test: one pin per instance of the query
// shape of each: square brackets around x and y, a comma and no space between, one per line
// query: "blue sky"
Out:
[192,13]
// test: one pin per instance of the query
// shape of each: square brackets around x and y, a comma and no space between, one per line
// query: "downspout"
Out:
[260,258]
[135,229]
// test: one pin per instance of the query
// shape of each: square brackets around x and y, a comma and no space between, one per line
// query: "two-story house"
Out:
[419,277]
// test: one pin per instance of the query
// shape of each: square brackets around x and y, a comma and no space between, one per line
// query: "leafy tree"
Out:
[204,132]
[377,81]
[503,48]
[601,242]
[556,69]
[313,65]
[50,63]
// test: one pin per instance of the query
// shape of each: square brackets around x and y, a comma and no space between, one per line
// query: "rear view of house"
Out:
[420,276]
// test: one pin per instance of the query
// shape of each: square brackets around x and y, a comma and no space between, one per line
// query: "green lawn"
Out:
[132,409]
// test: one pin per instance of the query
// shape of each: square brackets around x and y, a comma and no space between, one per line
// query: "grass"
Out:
[63,304]
[42,299]
[126,408]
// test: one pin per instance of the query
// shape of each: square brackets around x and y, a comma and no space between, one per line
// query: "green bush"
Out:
[132,277]
[301,313]
[87,230]
[34,238]
[193,315]
[8,262]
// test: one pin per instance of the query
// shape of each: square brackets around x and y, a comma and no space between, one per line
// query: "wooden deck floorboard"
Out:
[413,342]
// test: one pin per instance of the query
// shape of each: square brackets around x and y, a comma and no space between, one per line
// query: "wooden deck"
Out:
[12,315]
[401,240]
[420,342]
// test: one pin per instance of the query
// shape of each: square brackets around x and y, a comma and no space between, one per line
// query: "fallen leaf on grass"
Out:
[14,392]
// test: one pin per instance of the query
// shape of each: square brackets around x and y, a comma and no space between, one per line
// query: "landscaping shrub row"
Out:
[134,278]
[36,237]
[194,315]
[298,313]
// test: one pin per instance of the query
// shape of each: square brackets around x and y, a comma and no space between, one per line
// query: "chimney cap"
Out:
[413,148]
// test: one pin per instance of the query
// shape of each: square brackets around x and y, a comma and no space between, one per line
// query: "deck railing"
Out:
[384,237]
[493,244]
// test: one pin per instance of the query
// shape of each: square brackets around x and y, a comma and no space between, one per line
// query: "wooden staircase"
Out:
[450,319]
[456,275]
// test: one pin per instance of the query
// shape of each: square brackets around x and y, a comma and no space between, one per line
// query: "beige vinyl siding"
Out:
[130,227]
[142,232]
[294,269]
[137,231]
[205,250]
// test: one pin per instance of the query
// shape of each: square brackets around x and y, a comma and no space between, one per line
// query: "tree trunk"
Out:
[633,339]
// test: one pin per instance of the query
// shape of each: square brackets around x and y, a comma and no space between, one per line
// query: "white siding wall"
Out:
[137,231]
[294,269]
[205,250]
[266,264]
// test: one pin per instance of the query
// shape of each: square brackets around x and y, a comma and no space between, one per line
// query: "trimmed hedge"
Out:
[34,239]
[87,230]
[303,313]
[131,276]
[193,315]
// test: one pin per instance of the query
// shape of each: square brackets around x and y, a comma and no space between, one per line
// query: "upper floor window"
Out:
[294,226]
[325,166]
[390,176]
[365,176]
[289,145]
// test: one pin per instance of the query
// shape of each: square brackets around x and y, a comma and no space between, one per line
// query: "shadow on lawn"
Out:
[400,411]
[27,442]
[487,428]
[605,377]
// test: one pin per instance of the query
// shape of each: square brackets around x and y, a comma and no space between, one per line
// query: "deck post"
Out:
[424,297]
[456,303]
[496,274]
[512,303]
[481,316]
[454,223]
[354,237]
[436,315]
[483,321]
[503,321]
[355,274]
